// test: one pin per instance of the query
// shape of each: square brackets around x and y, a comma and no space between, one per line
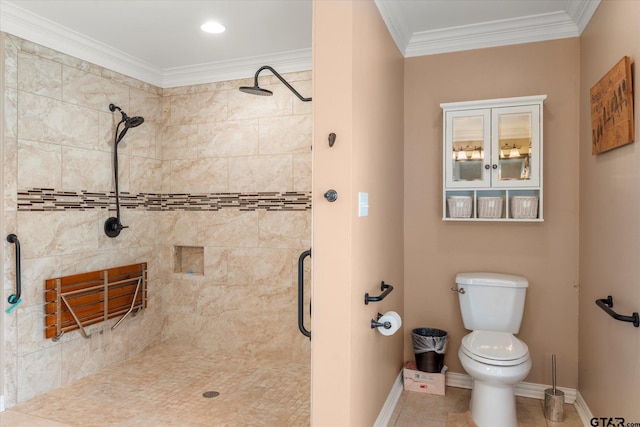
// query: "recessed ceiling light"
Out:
[212,27]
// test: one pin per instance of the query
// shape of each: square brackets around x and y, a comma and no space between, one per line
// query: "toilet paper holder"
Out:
[376,324]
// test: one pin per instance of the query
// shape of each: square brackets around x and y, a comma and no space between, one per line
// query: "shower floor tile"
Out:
[164,386]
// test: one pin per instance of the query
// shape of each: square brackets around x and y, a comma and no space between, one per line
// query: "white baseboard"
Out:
[583,410]
[536,391]
[454,379]
[390,404]
[531,390]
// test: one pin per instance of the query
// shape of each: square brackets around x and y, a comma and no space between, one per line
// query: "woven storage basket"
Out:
[459,206]
[524,207]
[490,207]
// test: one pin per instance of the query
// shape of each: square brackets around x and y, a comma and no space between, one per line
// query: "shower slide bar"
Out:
[78,301]
[385,287]
[15,298]
[607,303]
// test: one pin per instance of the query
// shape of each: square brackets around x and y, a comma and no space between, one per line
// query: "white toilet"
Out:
[492,305]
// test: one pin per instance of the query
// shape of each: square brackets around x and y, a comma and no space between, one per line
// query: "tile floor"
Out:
[428,410]
[164,386]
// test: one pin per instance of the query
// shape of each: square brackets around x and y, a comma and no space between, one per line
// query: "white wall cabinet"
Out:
[492,161]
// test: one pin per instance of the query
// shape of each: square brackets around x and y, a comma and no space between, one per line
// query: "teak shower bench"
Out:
[75,302]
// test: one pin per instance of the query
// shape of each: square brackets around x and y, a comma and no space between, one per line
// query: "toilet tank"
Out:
[491,301]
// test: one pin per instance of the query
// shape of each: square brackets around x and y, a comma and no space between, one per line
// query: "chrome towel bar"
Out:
[607,303]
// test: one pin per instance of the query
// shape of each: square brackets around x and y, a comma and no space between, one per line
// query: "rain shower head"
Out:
[257,90]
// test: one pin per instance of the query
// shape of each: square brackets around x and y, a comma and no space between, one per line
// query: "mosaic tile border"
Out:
[48,199]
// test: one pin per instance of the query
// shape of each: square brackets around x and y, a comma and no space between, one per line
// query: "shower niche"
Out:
[188,260]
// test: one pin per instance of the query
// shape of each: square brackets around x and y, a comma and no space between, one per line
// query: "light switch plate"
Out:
[363,204]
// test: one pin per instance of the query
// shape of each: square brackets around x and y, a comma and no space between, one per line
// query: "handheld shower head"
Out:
[132,122]
[129,122]
[113,226]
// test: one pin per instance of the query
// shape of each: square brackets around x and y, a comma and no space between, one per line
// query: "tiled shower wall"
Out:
[210,168]
[217,139]
[58,134]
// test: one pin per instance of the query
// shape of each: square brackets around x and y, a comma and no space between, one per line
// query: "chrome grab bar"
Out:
[305,331]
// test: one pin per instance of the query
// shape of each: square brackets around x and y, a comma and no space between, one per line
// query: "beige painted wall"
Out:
[546,253]
[358,75]
[609,227]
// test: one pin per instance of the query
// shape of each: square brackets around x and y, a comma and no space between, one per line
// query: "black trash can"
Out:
[429,347]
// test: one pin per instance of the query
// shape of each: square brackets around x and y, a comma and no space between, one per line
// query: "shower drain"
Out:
[210,394]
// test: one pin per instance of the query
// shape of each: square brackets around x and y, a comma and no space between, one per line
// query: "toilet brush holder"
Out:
[554,398]
[554,405]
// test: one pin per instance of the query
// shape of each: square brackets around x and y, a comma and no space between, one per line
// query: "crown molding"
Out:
[26,25]
[581,12]
[535,28]
[285,62]
[396,25]
[29,26]
[550,26]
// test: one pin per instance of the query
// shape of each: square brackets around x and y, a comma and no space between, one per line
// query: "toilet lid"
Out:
[495,348]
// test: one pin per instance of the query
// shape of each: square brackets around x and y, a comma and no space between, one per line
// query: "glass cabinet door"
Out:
[468,148]
[492,159]
[515,144]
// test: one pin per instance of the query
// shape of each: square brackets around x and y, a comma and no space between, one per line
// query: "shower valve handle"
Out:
[113,227]
[331,195]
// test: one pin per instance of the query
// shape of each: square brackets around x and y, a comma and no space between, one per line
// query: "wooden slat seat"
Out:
[73,302]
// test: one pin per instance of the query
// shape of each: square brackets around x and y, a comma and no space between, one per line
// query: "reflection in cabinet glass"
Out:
[493,159]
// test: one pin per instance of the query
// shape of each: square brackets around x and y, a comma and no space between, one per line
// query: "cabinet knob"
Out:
[487,166]
[494,166]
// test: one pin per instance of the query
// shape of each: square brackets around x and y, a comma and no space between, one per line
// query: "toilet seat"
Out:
[495,348]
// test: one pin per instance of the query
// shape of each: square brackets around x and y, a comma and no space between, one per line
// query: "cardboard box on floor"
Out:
[422,382]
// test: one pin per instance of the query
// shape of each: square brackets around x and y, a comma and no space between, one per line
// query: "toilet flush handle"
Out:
[460,291]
